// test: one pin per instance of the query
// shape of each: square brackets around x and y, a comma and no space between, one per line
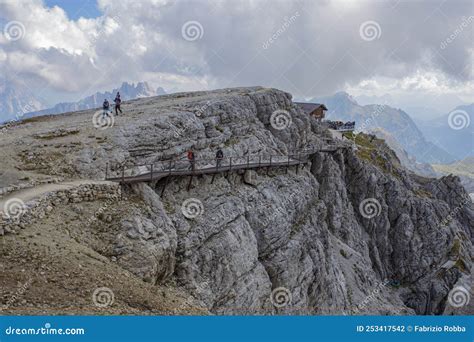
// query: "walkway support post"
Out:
[193,171]
[217,170]
[230,167]
[106,170]
[268,168]
[299,161]
[167,178]
[123,172]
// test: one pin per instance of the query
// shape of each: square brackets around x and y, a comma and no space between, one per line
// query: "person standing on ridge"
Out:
[117,101]
[191,159]
[105,107]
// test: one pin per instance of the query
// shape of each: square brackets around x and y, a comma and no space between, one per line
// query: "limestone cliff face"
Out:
[351,232]
[304,232]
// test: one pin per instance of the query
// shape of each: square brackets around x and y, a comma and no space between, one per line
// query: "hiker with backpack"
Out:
[192,160]
[219,157]
[106,108]
[117,101]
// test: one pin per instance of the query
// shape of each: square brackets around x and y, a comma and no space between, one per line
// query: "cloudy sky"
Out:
[419,50]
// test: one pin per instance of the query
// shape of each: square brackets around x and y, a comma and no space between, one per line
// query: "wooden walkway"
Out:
[127,174]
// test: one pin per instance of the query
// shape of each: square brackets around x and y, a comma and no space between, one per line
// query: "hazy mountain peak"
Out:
[344,96]
[16,100]
[128,91]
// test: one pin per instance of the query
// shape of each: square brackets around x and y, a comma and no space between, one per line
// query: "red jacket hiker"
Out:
[191,159]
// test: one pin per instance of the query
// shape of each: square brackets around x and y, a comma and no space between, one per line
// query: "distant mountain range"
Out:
[463,168]
[454,131]
[419,106]
[16,100]
[393,122]
[127,91]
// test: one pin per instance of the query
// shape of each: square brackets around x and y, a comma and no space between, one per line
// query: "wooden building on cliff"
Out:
[316,110]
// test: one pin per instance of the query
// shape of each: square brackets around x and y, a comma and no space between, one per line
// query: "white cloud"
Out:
[319,53]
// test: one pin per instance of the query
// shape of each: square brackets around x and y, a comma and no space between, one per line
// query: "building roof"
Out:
[310,107]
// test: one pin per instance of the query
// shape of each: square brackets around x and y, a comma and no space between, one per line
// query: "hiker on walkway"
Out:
[191,159]
[117,101]
[105,107]
[219,157]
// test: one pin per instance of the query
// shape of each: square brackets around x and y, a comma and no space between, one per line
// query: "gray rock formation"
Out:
[352,232]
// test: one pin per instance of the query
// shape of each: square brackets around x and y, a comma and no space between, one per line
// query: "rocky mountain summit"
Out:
[352,232]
